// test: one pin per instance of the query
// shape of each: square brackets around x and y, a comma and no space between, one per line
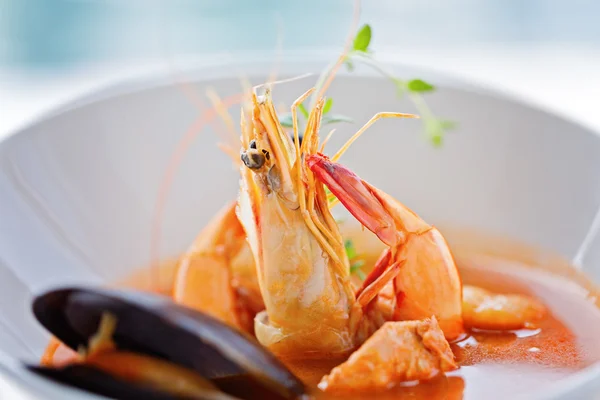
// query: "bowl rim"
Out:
[222,66]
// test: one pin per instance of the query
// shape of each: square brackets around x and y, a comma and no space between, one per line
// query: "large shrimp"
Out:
[311,307]
[302,267]
[417,263]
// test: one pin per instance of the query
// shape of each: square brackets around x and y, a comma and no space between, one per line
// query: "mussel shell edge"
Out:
[95,381]
[154,325]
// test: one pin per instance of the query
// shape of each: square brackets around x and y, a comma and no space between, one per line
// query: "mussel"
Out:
[190,355]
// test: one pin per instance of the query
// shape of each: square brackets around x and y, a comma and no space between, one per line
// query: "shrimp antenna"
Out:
[278,48]
[271,79]
[175,161]
[294,78]
[206,116]
[366,126]
[329,74]
[247,89]
[182,84]
[223,112]
[329,135]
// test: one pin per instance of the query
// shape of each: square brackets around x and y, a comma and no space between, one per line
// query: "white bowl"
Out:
[78,187]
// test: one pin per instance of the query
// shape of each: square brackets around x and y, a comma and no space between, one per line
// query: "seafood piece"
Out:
[482,309]
[398,351]
[141,343]
[58,354]
[302,268]
[217,274]
[418,261]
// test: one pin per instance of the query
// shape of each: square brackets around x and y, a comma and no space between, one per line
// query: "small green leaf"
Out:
[330,196]
[435,131]
[286,120]
[303,110]
[447,124]
[327,105]
[361,275]
[437,140]
[356,268]
[350,249]
[363,38]
[400,87]
[349,65]
[419,86]
[335,118]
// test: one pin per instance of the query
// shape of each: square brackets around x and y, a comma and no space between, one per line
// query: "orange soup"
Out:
[492,364]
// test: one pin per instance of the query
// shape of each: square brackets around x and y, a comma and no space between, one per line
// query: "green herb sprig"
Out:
[435,128]
[327,118]
[356,264]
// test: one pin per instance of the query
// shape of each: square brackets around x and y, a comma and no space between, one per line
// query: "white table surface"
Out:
[562,79]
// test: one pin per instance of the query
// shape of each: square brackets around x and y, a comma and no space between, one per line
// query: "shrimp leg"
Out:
[427,283]
[205,278]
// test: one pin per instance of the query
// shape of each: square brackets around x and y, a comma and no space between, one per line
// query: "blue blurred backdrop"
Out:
[59,34]
[547,51]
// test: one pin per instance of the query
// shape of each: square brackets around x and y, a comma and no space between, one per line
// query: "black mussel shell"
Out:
[300,136]
[96,381]
[154,325]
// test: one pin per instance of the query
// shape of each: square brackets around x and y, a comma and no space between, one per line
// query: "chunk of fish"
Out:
[483,309]
[399,351]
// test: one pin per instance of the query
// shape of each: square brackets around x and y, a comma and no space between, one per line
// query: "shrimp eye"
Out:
[253,159]
[299,140]
[253,144]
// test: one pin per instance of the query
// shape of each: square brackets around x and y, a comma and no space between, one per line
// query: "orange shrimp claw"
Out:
[357,198]
[382,274]
[428,282]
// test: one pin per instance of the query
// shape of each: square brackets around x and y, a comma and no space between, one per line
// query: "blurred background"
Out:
[544,51]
